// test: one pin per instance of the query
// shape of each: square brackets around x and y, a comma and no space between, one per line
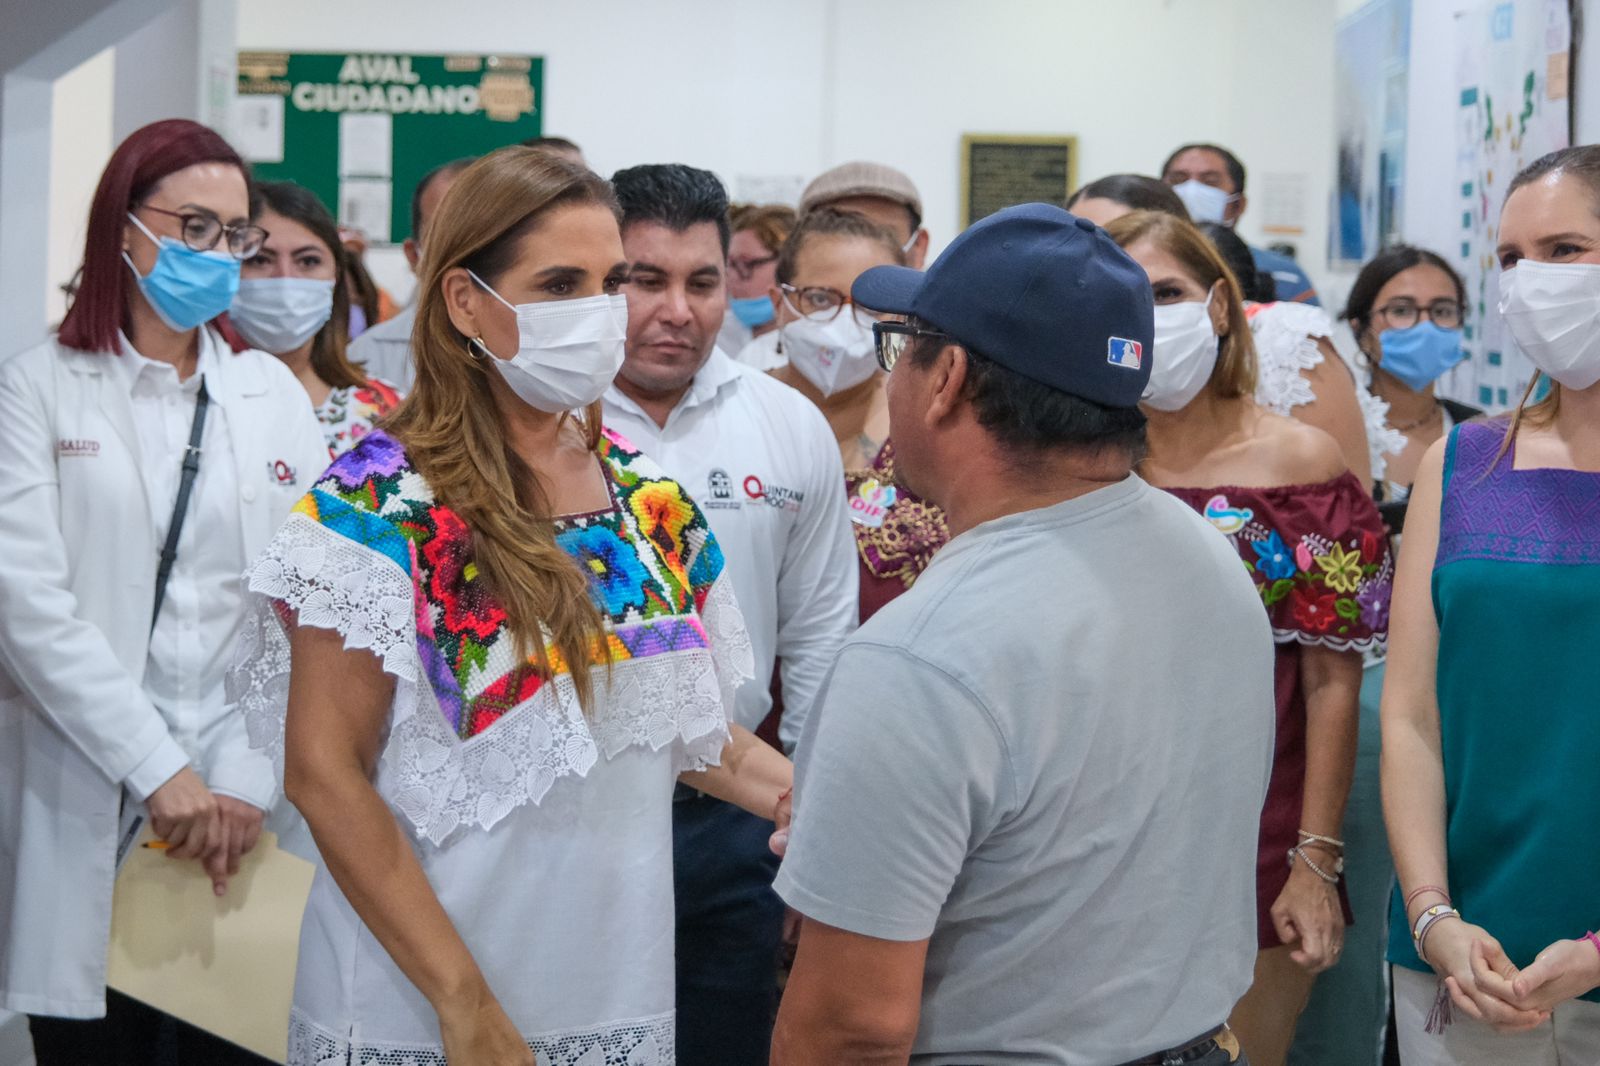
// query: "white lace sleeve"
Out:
[733,661]
[436,780]
[1286,336]
[1383,440]
[333,583]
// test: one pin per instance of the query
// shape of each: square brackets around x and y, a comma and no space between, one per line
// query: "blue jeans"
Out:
[730,925]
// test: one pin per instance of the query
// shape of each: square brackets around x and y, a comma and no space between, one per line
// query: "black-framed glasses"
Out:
[891,339]
[201,230]
[824,304]
[745,269]
[1403,314]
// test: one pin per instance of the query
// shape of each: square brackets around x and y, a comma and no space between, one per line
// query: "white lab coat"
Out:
[78,559]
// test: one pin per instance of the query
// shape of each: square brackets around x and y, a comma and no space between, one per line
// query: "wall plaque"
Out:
[999,170]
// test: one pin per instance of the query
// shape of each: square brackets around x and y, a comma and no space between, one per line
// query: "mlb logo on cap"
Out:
[1038,291]
[1124,353]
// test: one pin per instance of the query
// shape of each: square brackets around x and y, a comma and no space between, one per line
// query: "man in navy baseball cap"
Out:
[1046,326]
[1005,754]
[1039,291]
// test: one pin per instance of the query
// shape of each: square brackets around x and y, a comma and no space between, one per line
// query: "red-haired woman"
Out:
[127,514]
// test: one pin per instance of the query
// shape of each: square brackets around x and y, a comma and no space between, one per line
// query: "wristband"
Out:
[1429,916]
[1422,936]
[1425,922]
[1591,938]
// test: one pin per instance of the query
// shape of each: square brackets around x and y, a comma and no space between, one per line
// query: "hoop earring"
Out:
[473,355]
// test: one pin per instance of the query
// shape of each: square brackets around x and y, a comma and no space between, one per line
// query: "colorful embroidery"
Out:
[1273,558]
[349,412]
[650,560]
[1493,511]
[909,533]
[1227,519]
[1318,556]
[1332,589]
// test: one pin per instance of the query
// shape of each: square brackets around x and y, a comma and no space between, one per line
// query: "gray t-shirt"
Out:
[1049,758]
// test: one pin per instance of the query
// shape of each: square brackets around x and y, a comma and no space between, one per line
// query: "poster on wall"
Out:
[1371,59]
[1512,62]
[360,130]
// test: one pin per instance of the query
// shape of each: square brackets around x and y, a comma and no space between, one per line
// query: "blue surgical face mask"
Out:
[186,288]
[752,311]
[1418,355]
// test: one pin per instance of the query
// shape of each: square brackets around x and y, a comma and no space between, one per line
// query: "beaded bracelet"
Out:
[1332,879]
[1310,838]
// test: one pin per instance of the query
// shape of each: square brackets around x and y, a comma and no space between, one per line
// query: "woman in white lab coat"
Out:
[111,694]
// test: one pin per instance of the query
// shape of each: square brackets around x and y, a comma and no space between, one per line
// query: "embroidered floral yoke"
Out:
[580,873]
[475,732]
[1320,560]
[900,544]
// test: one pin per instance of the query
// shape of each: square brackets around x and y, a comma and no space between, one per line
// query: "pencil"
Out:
[156,845]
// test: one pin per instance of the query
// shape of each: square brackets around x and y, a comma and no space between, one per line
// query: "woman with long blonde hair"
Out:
[1310,536]
[506,634]
[1489,723]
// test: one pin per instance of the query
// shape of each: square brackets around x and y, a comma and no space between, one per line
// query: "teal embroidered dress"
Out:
[1516,591]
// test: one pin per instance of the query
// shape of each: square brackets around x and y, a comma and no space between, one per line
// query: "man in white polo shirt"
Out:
[761,461]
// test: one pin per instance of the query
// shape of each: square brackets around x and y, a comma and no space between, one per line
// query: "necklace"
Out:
[1416,423]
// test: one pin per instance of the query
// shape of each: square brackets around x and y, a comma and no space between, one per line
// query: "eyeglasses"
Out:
[745,269]
[891,339]
[202,230]
[1403,314]
[824,304]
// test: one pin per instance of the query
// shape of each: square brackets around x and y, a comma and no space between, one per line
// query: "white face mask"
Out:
[835,355]
[1206,203]
[1553,312]
[568,350]
[1183,356]
[278,315]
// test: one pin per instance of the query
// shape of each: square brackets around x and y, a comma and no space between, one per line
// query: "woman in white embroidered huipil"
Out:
[495,824]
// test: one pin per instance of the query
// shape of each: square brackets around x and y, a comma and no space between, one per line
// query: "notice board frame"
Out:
[1067,143]
[430,123]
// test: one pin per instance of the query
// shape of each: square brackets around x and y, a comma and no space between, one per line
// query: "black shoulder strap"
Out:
[180,507]
[1459,412]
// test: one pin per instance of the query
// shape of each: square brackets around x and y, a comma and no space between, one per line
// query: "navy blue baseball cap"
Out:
[1039,291]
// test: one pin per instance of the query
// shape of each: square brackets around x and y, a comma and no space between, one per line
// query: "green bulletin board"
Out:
[360,130]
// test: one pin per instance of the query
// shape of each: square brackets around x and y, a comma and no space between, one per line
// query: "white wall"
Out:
[1586,76]
[769,89]
[1431,131]
[80,144]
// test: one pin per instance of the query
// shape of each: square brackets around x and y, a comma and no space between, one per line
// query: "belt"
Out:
[1219,1038]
